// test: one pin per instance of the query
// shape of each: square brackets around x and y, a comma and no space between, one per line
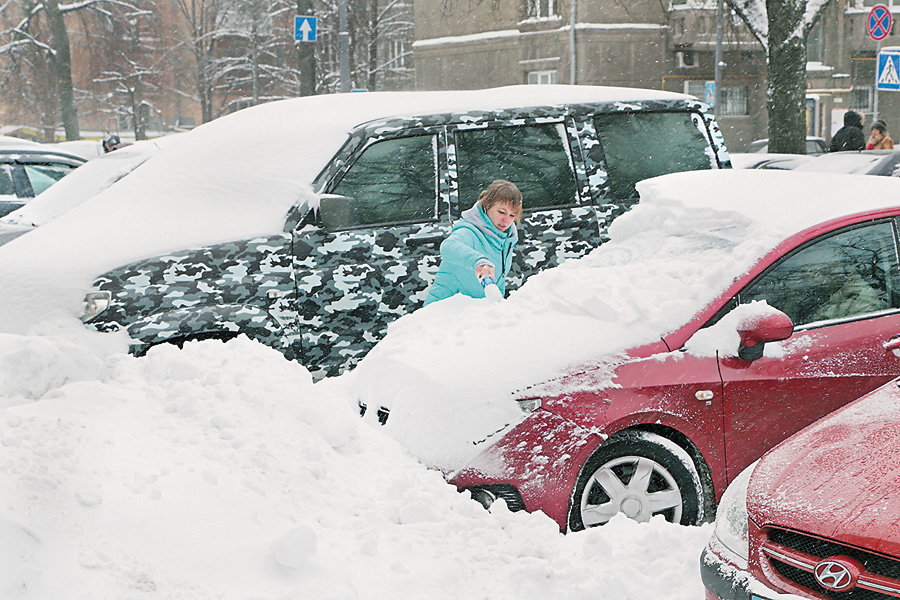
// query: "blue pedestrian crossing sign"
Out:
[888,74]
[305,29]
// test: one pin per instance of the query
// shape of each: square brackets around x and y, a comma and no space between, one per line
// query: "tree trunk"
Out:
[62,62]
[786,70]
[373,46]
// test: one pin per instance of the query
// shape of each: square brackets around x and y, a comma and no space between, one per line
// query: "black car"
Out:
[27,171]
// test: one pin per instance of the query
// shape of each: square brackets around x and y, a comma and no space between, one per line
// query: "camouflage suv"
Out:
[323,289]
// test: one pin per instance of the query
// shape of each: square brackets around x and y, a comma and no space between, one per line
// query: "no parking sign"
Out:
[880,22]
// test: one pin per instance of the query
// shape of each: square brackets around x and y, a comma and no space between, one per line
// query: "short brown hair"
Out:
[499,191]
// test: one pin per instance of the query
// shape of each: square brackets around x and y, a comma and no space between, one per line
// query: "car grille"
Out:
[795,555]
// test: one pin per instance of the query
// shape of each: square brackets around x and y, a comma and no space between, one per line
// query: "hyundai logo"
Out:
[836,573]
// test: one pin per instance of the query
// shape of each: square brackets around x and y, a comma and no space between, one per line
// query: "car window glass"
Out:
[843,275]
[533,157]
[392,181]
[6,184]
[43,176]
[641,145]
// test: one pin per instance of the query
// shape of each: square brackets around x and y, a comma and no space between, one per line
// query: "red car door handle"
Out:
[892,345]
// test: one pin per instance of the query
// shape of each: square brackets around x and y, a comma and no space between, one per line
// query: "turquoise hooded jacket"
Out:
[473,240]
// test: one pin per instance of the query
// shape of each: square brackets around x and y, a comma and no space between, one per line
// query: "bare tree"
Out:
[255,58]
[783,27]
[381,33]
[129,58]
[199,35]
[39,28]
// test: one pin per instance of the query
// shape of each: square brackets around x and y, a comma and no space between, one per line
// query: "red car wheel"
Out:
[640,474]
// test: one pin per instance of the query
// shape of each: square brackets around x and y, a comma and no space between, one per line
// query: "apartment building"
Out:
[657,44]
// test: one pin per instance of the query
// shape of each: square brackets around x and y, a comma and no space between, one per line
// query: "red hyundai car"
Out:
[818,517]
[797,313]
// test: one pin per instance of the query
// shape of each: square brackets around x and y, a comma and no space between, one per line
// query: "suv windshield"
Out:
[641,145]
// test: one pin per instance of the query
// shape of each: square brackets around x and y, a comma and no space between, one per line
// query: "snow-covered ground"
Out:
[221,471]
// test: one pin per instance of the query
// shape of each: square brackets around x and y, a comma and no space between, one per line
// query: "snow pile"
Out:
[221,471]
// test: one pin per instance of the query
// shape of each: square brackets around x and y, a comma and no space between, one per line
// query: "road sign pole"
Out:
[875,107]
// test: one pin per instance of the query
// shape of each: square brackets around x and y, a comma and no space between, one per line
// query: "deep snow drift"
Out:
[221,471]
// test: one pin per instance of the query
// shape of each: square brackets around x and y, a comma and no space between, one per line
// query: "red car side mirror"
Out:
[758,329]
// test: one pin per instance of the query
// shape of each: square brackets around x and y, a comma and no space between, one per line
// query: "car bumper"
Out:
[533,466]
[724,579]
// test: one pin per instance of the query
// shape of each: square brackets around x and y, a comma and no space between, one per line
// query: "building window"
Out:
[815,44]
[541,77]
[542,9]
[861,98]
[733,98]
[397,54]
[734,101]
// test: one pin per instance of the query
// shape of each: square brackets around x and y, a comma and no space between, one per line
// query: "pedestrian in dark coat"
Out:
[850,136]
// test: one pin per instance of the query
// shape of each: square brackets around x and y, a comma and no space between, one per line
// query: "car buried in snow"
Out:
[782,304]
[817,516]
[27,169]
[391,173]
[93,177]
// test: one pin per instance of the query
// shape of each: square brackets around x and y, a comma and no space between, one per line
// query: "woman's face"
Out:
[876,134]
[502,215]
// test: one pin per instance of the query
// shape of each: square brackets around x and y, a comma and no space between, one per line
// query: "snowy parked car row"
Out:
[729,310]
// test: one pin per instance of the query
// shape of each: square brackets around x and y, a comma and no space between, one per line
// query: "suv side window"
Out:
[847,274]
[640,145]
[534,157]
[6,183]
[392,181]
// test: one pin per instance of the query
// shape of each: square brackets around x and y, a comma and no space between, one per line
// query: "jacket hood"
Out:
[853,118]
[837,478]
[476,217]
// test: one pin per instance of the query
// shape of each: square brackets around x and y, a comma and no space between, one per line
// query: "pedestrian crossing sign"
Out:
[888,74]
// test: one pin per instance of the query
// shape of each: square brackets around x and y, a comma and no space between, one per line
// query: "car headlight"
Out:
[731,516]
[94,303]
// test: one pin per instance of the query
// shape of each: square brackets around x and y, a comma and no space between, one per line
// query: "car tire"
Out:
[641,474]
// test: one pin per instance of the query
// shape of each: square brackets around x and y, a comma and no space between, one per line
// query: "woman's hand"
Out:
[483,271]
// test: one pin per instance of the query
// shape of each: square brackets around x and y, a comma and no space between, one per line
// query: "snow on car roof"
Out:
[675,252]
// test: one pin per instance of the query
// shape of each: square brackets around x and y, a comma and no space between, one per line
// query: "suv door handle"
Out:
[893,344]
[424,241]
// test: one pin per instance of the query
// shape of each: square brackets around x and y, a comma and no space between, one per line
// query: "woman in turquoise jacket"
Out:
[480,244]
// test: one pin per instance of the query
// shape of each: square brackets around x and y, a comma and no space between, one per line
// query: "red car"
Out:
[664,426]
[818,517]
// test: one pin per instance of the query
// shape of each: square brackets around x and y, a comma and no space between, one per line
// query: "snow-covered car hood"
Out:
[838,478]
